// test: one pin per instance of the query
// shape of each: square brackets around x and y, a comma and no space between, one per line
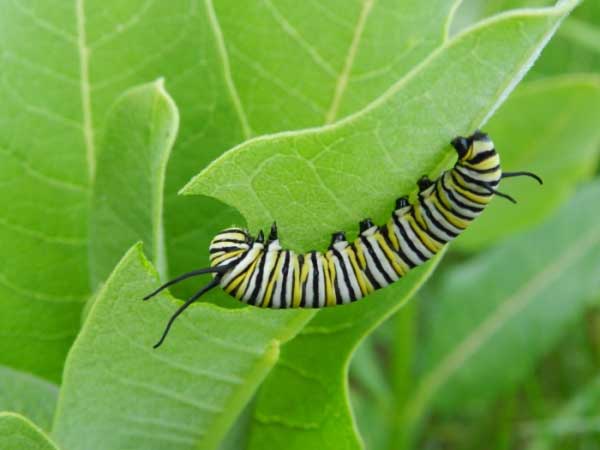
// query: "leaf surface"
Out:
[28,395]
[127,199]
[118,392]
[18,433]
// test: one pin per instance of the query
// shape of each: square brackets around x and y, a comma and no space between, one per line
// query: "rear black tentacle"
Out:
[523,174]
[500,194]
[192,299]
[185,276]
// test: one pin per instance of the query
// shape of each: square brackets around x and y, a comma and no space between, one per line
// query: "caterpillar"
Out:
[262,273]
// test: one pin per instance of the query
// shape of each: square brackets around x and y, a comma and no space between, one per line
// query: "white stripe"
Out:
[309,285]
[339,279]
[269,263]
[242,265]
[383,259]
[351,275]
[415,239]
[406,248]
[441,218]
[372,267]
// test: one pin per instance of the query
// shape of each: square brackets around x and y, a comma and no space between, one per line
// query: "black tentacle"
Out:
[185,276]
[523,174]
[192,299]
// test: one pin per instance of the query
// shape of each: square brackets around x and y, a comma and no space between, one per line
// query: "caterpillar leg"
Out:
[273,235]
[365,224]
[424,182]
[402,202]
[338,236]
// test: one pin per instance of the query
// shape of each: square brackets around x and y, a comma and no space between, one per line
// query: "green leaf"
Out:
[577,419]
[18,433]
[304,402]
[44,171]
[559,140]
[28,395]
[516,311]
[382,150]
[127,199]
[120,393]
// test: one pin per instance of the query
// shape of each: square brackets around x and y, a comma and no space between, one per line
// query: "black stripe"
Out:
[445,208]
[426,230]
[401,253]
[243,271]
[233,230]
[431,217]
[480,157]
[452,195]
[383,231]
[261,269]
[303,285]
[315,280]
[358,293]
[409,241]
[478,182]
[233,241]
[412,228]
[366,270]
[273,275]
[463,185]
[376,260]
[284,273]
[345,274]
[223,249]
[490,170]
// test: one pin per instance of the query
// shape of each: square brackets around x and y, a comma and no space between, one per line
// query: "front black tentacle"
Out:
[192,299]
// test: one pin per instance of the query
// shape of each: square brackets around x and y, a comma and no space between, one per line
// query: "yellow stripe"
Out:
[360,256]
[365,285]
[225,256]
[297,285]
[247,275]
[419,215]
[392,235]
[445,209]
[329,293]
[332,274]
[432,245]
[480,199]
[390,255]
[274,277]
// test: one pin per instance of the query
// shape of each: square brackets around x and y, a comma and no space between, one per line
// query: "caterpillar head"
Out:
[468,148]
[228,245]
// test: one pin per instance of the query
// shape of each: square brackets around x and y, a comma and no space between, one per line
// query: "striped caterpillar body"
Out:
[261,273]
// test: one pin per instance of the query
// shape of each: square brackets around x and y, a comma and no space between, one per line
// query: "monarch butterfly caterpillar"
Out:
[261,273]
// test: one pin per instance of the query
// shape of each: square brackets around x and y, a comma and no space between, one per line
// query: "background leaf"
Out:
[18,433]
[127,199]
[120,393]
[30,396]
[44,172]
[516,317]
